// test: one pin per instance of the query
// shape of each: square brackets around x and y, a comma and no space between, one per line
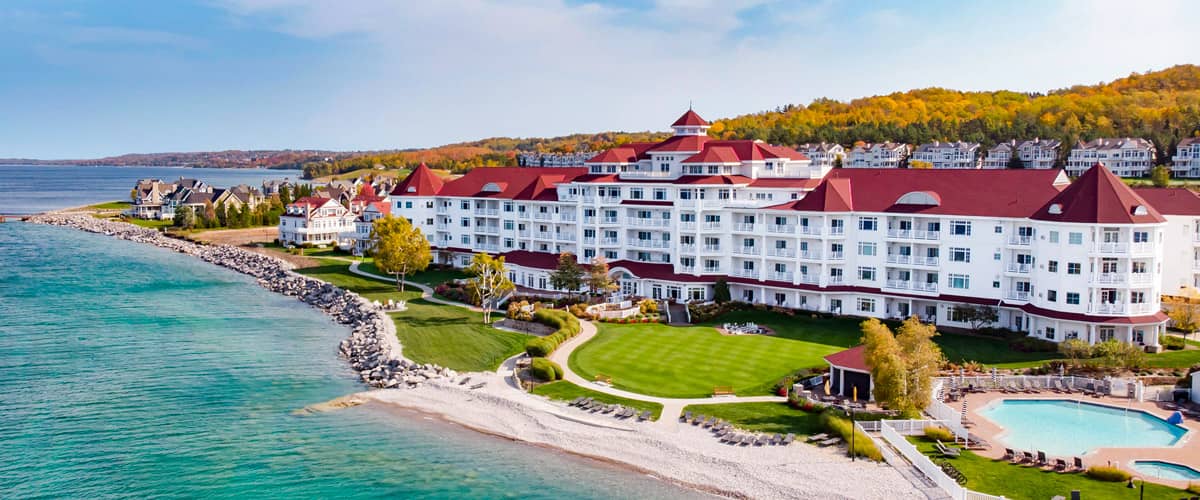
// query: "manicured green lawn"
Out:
[1174,359]
[989,351]
[1027,483]
[762,417]
[152,224]
[112,205]
[430,277]
[454,337]
[566,391]
[336,272]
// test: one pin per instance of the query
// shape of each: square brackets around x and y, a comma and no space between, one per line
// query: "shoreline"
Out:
[684,455]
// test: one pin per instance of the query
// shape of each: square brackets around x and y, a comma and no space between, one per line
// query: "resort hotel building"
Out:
[1054,258]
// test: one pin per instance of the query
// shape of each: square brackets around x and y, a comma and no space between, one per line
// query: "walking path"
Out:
[672,407]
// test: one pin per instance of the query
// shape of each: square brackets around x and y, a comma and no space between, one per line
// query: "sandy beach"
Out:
[683,454]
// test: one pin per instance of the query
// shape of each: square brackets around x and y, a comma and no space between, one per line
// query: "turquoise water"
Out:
[1068,428]
[130,371]
[1166,470]
[31,189]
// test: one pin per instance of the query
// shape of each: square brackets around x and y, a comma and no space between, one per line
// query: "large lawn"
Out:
[762,417]
[111,205]
[566,391]
[454,337]
[337,272]
[429,277]
[1027,483]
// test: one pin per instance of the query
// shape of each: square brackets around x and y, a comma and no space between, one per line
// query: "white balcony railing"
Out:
[523,234]
[899,284]
[836,280]
[712,269]
[648,222]
[744,250]
[543,216]
[687,248]
[925,287]
[608,241]
[687,269]
[743,227]
[910,234]
[543,235]
[487,211]
[836,231]
[564,236]
[781,252]
[1110,308]
[781,229]
[712,225]
[650,244]
[443,227]
[589,241]
[811,279]
[1020,268]
[1018,296]
[687,226]
[712,248]
[589,219]
[442,210]
[1021,240]
[1108,278]
[810,230]
[746,273]
[837,256]
[810,255]
[778,276]
[488,229]
[566,217]
[1141,278]
[610,220]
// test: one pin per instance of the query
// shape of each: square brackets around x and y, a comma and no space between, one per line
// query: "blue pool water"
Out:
[128,371]
[1068,428]
[1166,470]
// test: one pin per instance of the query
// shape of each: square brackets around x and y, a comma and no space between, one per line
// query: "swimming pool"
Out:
[1165,470]
[1071,428]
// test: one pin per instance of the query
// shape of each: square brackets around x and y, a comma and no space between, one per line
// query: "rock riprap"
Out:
[372,349]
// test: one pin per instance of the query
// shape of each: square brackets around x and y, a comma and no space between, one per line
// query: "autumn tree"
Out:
[922,360]
[399,248]
[210,214]
[881,353]
[1184,314]
[1160,176]
[568,275]
[598,280]
[902,365]
[489,282]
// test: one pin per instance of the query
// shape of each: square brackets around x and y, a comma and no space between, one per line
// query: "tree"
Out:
[919,164]
[598,280]
[210,214]
[1160,176]
[399,248]
[721,293]
[977,316]
[285,194]
[882,354]
[489,282]
[133,195]
[1184,314]
[185,218]
[922,360]
[568,275]
[1014,161]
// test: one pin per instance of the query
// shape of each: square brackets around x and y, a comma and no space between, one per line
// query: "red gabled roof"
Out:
[367,194]
[714,154]
[535,260]
[851,358]
[516,183]
[1098,197]
[690,119]
[680,144]
[312,201]
[616,155]
[831,195]
[421,182]
[382,207]
[663,272]
[1171,201]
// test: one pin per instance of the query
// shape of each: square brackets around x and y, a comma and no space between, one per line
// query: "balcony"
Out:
[1021,240]
[487,247]
[566,217]
[837,256]
[899,284]
[712,225]
[712,248]
[487,229]
[1110,308]
[650,244]
[910,234]
[608,242]
[1020,268]
[911,260]
[1141,278]
[687,269]
[809,230]
[810,279]
[648,222]
[490,212]
[523,215]
[443,227]
[687,248]
[784,229]
[1108,278]
[543,216]
[744,228]
[925,287]
[746,273]
[646,174]
[543,235]
[786,253]
[810,255]
[564,236]
[1123,248]
[778,276]
[610,220]
[837,280]
[523,234]
[712,269]
[744,250]
[587,199]
[687,226]
[589,241]
[591,219]
[443,209]
[1017,296]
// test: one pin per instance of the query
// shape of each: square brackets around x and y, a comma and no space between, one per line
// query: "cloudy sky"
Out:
[88,78]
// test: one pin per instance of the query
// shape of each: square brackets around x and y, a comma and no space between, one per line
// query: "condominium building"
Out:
[878,155]
[941,155]
[1181,243]
[1186,163]
[1126,157]
[314,221]
[1036,154]
[1055,259]
[824,155]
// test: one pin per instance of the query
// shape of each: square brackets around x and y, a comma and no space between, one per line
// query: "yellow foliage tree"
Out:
[399,248]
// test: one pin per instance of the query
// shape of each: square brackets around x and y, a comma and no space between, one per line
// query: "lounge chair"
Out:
[645,415]
[817,437]
[576,401]
[1041,459]
[747,440]
[947,451]
[478,386]
[1026,456]
[1060,465]
[1009,454]
[1067,387]
[760,440]
[686,416]
[788,439]
[829,442]
[464,381]
[777,439]
[1078,462]
[1089,390]
[698,419]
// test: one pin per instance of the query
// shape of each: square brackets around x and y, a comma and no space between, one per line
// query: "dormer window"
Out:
[920,198]
[1140,210]
[1055,209]
[412,189]
[491,187]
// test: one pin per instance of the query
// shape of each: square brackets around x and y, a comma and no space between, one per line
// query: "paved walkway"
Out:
[672,407]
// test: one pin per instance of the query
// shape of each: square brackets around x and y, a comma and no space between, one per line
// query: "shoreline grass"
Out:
[566,391]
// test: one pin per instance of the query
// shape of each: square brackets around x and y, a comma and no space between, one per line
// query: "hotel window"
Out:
[687,262]
[781,221]
[995,284]
[1052,266]
[1053,236]
[685,194]
[635,193]
[1075,238]
[781,244]
[1052,295]
[868,223]
[781,268]
[1141,236]
[466,205]
[1107,333]
[610,254]
[723,194]
[687,217]
[1137,297]
[1073,298]
[866,248]
[508,206]
[960,254]
[866,273]
[660,194]
[866,305]
[508,225]
[465,222]
[408,204]
[1074,268]
[960,228]
[711,264]
[960,281]
[996,256]
[748,295]
[999,229]
[589,254]
[508,243]
[466,240]
[1049,333]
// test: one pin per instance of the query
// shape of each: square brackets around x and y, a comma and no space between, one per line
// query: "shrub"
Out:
[565,326]
[1033,344]
[1172,342]
[545,369]
[1193,488]
[934,433]
[1107,473]
[648,306]
[863,446]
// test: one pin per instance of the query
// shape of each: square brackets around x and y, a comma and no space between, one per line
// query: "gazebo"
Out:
[847,370]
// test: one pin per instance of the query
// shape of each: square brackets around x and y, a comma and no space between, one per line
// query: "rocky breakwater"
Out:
[372,349]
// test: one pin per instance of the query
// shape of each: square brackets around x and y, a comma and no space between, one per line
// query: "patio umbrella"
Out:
[856,394]
[995,380]
[826,387]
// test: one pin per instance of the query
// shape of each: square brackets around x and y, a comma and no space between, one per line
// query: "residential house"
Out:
[149,196]
[942,155]
[824,155]
[1126,157]
[1186,163]
[314,221]
[878,155]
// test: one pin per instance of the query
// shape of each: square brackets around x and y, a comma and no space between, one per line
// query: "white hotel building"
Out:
[1056,259]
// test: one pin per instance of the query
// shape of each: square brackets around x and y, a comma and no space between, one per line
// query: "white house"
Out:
[878,155]
[314,221]
[1186,162]
[941,155]
[1055,259]
[1126,157]
[824,155]
[1181,242]
[1036,153]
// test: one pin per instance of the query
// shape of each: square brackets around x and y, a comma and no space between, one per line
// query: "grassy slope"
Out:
[112,205]
[1026,483]
[762,417]
[566,391]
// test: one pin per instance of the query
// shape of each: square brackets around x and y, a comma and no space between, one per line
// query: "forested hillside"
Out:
[1163,106]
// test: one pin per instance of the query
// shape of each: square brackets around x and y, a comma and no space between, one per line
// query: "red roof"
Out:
[382,206]
[312,201]
[832,195]
[367,194]
[714,154]
[616,155]
[536,260]
[785,183]
[851,358]
[421,182]
[664,272]
[681,144]
[1098,197]
[690,119]
[1171,201]
[517,183]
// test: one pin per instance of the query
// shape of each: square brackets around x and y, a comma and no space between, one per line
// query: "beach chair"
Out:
[829,442]
[1009,455]
[1089,389]
[685,417]
[1026,457]
[478,386]
[1028,388]
[576,401]
[1041,459]
[777,439]
[817,437]
[645,415]
[745,439]
[1078,462]
[1060,465]
[759,440]
[947,451]
[698,419]
[788,439]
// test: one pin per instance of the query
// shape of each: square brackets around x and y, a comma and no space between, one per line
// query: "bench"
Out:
[600,377]
[723,390]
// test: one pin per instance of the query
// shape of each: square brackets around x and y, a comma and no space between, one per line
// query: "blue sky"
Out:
[89,78]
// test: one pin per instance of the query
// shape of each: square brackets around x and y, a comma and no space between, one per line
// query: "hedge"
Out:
[1106,473]
[545,369]
[565,325]
[934,433]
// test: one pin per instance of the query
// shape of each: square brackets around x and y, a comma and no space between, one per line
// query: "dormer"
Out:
[691,124]
[927,198]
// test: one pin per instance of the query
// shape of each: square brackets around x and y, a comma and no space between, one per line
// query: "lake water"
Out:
[31,189]
[131,371]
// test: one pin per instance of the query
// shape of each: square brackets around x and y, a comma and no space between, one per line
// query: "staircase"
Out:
[678,314]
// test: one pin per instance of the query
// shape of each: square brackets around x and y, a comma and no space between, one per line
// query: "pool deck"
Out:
[1185,452]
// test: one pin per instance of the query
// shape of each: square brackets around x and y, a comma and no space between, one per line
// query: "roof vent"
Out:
[1140,210]
[491,187]
[920,198]
[1055,209]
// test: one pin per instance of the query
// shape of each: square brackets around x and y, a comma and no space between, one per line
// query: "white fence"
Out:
[1040,381]
[893,431]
